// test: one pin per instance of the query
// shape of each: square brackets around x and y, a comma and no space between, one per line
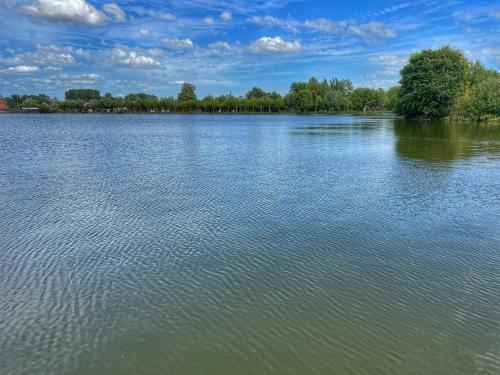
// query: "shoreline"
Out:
[390,114]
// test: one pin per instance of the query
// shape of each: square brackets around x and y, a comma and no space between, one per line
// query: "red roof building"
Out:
[4,106]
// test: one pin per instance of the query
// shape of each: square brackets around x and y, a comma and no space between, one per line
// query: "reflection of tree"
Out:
[440,141]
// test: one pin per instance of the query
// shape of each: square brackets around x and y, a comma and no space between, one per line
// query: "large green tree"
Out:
[367,99]
[486,98]
[82,94]
[188,92]
[431,83]
[255,93]
[480,98]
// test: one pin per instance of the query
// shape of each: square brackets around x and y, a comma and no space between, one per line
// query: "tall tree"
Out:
[188,92]
[82,94]
[431,82]
[255,93]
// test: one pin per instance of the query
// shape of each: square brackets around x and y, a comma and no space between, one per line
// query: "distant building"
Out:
[4,106]
[29,109]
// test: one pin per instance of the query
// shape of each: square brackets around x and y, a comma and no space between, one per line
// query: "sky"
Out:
[222,46]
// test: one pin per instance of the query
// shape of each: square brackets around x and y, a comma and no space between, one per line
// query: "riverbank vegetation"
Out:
[442,83]
[335,95]
[435,84]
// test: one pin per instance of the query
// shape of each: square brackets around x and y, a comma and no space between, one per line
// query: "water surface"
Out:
[248,245]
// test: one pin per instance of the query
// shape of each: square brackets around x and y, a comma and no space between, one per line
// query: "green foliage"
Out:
[341,86]
[434,84]
[431,83]
[188,92]
[48,108]
[335,95]
[255,93]
[304,100]
[480,98]
[391,98]
[368,99]
[17,101]
[314,95]
[30,103]
[485,98]
[82,94]
[477,73]
[442,83]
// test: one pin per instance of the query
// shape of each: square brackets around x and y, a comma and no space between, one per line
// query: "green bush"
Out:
[431,82]
[486,97]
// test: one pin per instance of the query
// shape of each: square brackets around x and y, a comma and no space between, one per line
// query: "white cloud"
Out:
[220,46]
[46,54]
[82,53]
[392,9]
[371,30]
[124,56]
[462,16]
[492,52]
[208,21]
[267,45]
[52,68]
[496,15]
[368,31]
[162,15]
[24,69]
[115,11]
[289,25]
[226,16]
[77,11]
[178,44]
[145,32]
[155,52]
[50,54]
[388,60]
[470,29]
[327,26]
[65,80]
[377,83]
[83,78]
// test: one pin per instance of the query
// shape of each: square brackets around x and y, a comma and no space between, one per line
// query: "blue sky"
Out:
[48,46]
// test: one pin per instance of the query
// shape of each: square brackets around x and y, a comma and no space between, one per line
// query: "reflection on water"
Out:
[442,141]
[342,126]
[149,244]
[329,130]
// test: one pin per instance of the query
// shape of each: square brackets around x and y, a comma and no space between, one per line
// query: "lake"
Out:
[170,244]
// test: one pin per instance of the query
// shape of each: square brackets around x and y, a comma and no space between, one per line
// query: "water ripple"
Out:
[271,244]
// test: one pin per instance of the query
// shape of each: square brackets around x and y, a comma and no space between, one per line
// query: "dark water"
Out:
[248,245]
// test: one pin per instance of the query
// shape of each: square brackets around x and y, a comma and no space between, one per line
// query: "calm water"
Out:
[248,245]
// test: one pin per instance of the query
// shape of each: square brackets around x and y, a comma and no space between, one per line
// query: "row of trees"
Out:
[338,96]
[311,96]
[434,84]
[442,83]
[16,101]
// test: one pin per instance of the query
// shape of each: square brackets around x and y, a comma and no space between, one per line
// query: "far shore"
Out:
[388,114]
[368,113]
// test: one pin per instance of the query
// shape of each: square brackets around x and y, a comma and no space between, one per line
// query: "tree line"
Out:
[434,84]
[312,96]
